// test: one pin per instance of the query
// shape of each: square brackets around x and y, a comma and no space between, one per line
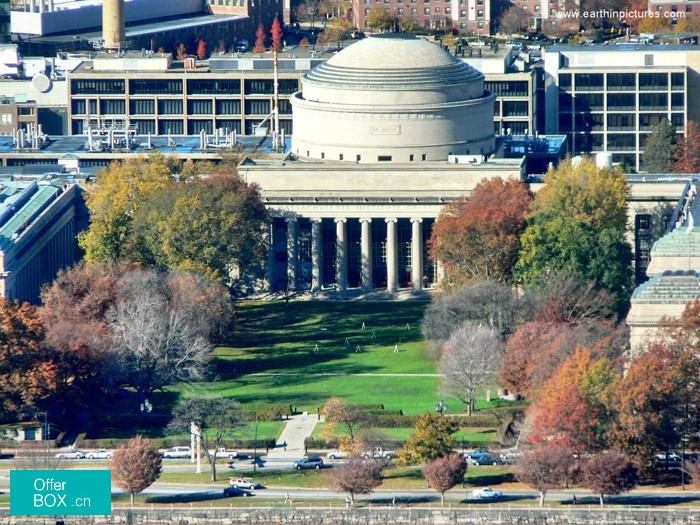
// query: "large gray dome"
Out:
[392,98]
[393,61]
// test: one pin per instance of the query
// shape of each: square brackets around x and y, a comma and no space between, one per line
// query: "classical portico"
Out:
[385,134]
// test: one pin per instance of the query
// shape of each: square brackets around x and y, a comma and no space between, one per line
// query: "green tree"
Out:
[660,148]
[431,440]
[380,19]
[214,226]
[578,224]
[114,199]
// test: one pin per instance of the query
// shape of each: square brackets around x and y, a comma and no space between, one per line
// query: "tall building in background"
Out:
[4,21]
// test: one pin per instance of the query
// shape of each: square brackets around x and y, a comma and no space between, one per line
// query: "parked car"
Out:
[236,491]
[379,453]
[242,46]
[477,43]
[244,483]
[670,457]
[486,493]
[337,454]
[178,452]
[482,459]
[71,454]
[103,453]
[309,463]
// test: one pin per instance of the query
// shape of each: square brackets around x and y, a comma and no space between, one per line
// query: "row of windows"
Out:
[586,122]
[620,101]
[175,87]
[175,107]
[228,3]
[622,81]
[507,88]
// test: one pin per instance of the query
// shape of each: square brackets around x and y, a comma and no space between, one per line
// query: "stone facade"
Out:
[324,516]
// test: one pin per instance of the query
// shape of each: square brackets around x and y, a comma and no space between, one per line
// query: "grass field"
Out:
[297,355]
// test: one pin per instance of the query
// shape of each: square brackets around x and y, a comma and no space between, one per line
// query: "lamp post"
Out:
[44,432]
[255,448]
[441,408]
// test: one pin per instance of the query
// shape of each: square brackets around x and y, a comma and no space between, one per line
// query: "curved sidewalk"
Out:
[297,429]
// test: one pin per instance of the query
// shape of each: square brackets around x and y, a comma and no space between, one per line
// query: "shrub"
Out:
[266,412]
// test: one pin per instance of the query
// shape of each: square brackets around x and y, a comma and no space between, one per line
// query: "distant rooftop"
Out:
[678,286]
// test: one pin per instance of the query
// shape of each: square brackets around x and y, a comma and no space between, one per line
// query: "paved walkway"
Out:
[297,429]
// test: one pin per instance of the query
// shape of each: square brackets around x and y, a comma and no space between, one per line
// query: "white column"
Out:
[291,253]
[417,253]
[392,262]
[341,254]
[316,255]
[366,248]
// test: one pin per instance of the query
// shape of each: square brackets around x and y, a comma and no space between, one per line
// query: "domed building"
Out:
[392,98]
[385,133]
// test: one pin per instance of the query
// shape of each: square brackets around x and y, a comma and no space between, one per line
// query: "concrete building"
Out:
[45,27]
[673,278]
[39,223]
[608,98]
[235,91]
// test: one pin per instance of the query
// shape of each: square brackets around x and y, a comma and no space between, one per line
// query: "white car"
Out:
[244,483]
[71,454]
[672,456]
[486,493]
[477,43]
[337,454]
[103,453]
[178,452]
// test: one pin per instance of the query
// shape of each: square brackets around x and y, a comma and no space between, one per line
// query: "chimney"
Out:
[113,24]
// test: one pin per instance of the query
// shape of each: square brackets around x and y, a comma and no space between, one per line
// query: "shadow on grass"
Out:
[187,498]
[506,498]
[487,480]
[646,500]
[406,500]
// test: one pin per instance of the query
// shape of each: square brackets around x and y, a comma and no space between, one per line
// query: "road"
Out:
[206,492]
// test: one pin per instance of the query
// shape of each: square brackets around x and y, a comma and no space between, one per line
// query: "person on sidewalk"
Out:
[347,502]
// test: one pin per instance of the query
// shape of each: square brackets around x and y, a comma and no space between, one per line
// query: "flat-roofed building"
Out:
[40,219]
[609,98]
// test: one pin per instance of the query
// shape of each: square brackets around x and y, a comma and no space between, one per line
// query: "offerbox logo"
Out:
[60,492]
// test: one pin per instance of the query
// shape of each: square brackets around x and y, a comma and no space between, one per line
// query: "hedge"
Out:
[266,412]
[89,444]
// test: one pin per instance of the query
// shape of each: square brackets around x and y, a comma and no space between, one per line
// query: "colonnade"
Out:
[351,260]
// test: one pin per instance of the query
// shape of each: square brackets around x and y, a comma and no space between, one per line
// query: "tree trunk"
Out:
[542,493]
[442,499]
[470,407]
[601,500]
[212,464]
[131,494]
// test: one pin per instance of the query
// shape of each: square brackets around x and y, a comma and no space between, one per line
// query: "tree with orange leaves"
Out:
[645,408]
[260,38]
[688,150]
[25,373]
[572,407]
[277,35]
[479,237]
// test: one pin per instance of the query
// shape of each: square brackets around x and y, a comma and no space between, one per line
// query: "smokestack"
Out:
[113,24]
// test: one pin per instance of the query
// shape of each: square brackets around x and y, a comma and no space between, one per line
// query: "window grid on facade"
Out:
[97,87]
[139,86]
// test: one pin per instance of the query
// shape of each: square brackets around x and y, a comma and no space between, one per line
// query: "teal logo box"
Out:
[60,492]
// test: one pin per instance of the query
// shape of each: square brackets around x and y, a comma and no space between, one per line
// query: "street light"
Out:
[441,408]
[255,449]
